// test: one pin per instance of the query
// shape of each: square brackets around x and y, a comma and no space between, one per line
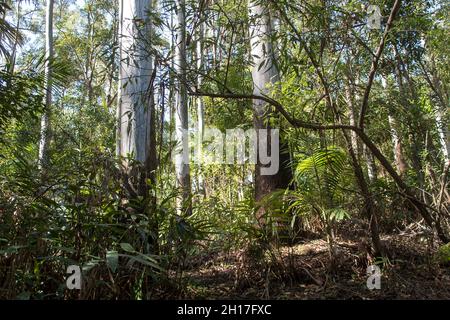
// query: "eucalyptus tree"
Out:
[199,55]
[182,166]
[135,113]
[45,119]
[265,76]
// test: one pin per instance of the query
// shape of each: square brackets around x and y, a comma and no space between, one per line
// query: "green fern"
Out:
[322,171]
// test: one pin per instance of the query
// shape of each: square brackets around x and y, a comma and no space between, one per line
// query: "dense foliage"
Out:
[363,118]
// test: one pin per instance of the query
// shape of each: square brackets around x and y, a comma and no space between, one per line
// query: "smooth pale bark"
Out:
[349,96]
[44,141]
[372,171]
[397,146]
[264,72]
[89,65]
[210,62]
[135,135]
[440,90]
[200,105]
[171,98]
[440,114]
[443,136]
[182,166]
[265,75]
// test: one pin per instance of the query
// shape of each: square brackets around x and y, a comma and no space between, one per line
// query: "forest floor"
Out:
[302,271]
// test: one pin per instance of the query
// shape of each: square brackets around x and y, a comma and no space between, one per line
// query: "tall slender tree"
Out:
[182,166]
[397,145]
[200,104]
[45,119]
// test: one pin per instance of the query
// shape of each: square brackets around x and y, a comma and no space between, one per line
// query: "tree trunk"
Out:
[349,96]
[397,146]
[45,119]
[135,133]
[353,146]
[200,106]
[440,89]
[265,74]
[404,188]
[400,162]
[443,135]
[372,171]
[182,158]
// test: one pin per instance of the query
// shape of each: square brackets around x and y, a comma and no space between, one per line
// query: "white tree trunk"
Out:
[443,136]
[135,94]
[440,116]
[372,171]
[360,151]
[264,74]
[440,89]
[349,96]
[200,105]
[181,114]
[45,119]
[397,147]
[396,143]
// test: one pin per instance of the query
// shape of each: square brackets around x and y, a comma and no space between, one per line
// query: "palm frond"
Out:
[8,34]
[324,167]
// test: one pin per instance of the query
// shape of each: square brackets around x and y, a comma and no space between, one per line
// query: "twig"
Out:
[375,62]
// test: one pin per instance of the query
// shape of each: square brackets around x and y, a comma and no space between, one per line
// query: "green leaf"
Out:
[12,249]
[127,247]
[144,260]
[112,260]
[89,265]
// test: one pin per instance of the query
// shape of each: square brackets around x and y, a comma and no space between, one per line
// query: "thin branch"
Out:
[375,62]
[278,106]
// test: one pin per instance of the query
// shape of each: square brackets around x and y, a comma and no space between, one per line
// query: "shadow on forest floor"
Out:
[302,271]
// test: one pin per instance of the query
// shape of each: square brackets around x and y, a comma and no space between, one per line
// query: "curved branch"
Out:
[360,133]
[278,106]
